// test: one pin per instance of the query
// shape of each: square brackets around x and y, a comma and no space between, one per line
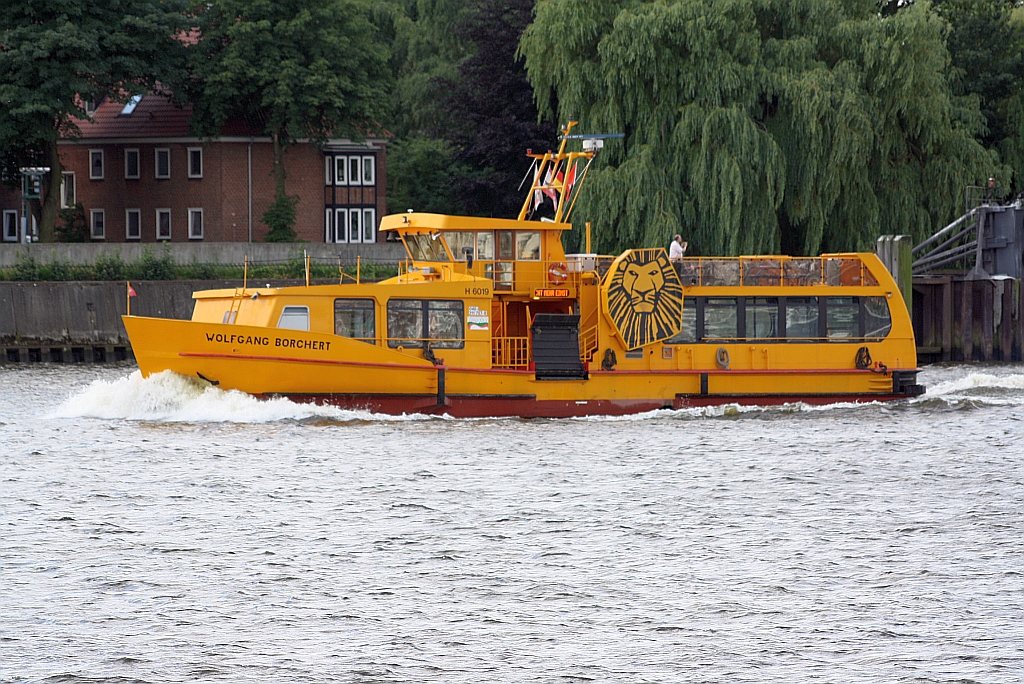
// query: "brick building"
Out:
[141,177]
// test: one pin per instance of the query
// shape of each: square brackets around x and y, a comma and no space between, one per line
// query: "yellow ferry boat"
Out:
[490,317]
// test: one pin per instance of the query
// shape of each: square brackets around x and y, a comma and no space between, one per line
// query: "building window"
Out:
[369,225]
[195,162]
[131,164]
[163,162]
[369,176]
[67,190]
[355,174]
[327,170]
[328,225]
[96,164]
[354,225]
[133,224]
[10,226]
[339,170]
[163,224]
[97,219]
[355,318]
[195,224]
[90,107]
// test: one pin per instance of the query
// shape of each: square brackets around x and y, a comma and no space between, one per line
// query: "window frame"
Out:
[372,308]
[138,163]
[340,178]
[369,163]
[188,159]
[93,153]
[340,226]
[291,308]
[371,214]
[328,170]
[102,214]
[127,224]
[63,190]
[357,177]
[9,237]
[424,311]
[163,210]
[156,163]
[192,213]
[328,225]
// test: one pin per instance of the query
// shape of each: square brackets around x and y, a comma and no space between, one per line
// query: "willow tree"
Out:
[759,125]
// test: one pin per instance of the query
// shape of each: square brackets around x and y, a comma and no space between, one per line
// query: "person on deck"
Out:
[676,251]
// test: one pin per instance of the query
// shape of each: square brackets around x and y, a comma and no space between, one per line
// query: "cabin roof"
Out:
[412,222]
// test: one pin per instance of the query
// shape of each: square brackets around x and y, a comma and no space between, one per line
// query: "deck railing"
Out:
[770,271]
[510,352]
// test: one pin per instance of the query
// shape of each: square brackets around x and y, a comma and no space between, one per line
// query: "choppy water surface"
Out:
[154,531]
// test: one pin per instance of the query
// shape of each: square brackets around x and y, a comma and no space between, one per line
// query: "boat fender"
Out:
[863,360]
[558,272]
[609,360]
[722,358]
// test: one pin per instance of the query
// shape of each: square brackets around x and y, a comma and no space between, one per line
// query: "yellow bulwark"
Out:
[491,317]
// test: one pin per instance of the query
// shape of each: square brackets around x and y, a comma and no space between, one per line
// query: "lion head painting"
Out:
[644,297]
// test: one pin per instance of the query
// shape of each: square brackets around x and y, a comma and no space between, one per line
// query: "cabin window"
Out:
[802,318]
[688,333]
[502,273]
[355,318]
[506,245]
[877,321]
[294,318]
[528,246]
[720,318]
[485,245]
[459,241]
[413,322]
[842,318]
[762,318]
[424,247]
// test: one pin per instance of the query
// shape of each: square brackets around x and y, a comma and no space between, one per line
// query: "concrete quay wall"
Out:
[203,252]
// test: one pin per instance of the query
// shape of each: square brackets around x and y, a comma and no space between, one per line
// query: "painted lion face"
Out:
[644,297]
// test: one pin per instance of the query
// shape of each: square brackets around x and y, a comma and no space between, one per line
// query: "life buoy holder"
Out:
[558,273]
[722,358]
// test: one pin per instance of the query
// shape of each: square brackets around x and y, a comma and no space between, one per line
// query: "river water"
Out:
[154,531]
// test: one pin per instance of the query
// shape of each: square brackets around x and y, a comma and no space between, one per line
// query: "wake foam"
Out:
[171,397]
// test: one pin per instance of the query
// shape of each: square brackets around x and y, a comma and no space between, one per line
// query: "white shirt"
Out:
[675,251]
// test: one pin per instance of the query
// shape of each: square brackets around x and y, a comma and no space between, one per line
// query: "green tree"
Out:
[58,54]
[759,125]
[293,69]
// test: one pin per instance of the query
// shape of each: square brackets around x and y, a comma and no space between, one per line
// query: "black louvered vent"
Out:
[556,347]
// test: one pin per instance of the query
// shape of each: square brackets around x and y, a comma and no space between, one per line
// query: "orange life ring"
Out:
[558,273]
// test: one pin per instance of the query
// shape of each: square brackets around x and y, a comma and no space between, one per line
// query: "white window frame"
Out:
[357,177]
[190,151]
[368,227]
[341,178]
[328,224]
[156,163]
[93,234]
[328,168]
[138,164]
[103,164]
[167,211]
[192,213]
[12,216]
[64,176]
[127,223]
[369,163]
[357,215]
[341,226]
[89,107]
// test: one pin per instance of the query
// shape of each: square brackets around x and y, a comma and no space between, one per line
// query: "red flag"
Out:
[538,197]
[550,192]
[131,291]
[570,179]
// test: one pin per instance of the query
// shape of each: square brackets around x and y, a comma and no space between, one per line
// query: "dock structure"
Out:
[965,283]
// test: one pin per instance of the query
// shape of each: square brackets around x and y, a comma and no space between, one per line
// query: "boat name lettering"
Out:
[238,339]
[293,343]
[483,291]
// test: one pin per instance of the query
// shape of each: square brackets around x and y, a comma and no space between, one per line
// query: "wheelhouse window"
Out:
[195,162]
[802,318]
[67,190]
[720,318]
[131,164]
[842,318]
[877,320]
[96,164]
[459,241]
[162,162]
[528,246]
[163,224]
[485,245]
[294,318]
[98,224]
[355,318]
[762,318]
[413,323]
[132,224]
[425,247]
[11,226]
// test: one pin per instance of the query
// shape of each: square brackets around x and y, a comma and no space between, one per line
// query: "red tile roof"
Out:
[154,117]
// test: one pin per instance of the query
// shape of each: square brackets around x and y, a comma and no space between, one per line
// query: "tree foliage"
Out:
[58,54]
[759,125]
[293,69]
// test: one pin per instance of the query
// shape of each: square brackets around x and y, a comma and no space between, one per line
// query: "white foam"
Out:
[171,397]
[977,381]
